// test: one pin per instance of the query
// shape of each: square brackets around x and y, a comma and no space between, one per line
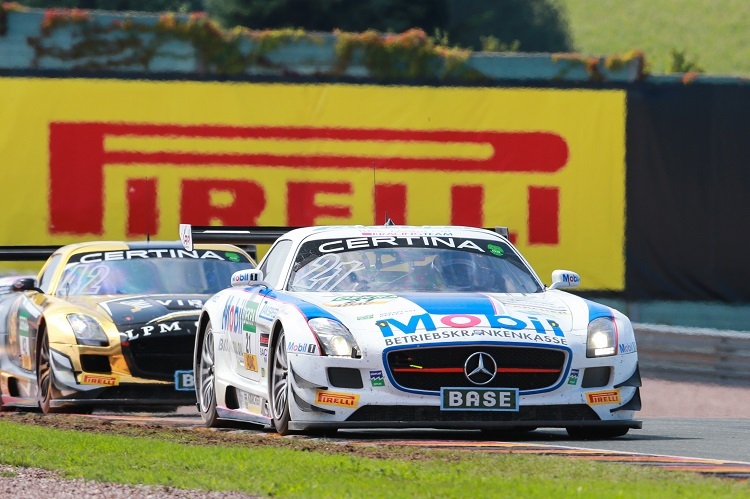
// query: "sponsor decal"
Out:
[570,278]
[418,241]
[135,305]
[264,339]
[452,334]
[254,404]
[353,300]
[184,381]
[533,306]
[247,276]
[376,378]
[301,347]
[268,312]
[239,315]
[23,323]
[573,378]
[224,345]
[340,399]
[251,362]
[176,328]
[496,250]
[262,372]
[181,304]
[479,399]
[232,257]
[628,347]
[99,379]
[365,317]
[603,397]
[264,353]
[108,256]
[428,323]
[406,233]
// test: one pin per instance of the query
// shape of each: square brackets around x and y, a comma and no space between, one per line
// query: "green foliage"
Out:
[281,468]
[492,44]
[681,64]
[411,55]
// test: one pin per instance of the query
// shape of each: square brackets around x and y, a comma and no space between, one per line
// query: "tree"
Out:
[327,15]
[537,25]
[120,5]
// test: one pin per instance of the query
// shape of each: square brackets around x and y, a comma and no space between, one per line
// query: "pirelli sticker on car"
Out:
[479,399]
[99,379]
[339,399]
[603,397]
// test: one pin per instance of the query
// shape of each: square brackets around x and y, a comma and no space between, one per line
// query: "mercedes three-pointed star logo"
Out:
[480,368]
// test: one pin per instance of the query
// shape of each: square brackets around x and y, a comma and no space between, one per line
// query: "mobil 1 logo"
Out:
[479,399]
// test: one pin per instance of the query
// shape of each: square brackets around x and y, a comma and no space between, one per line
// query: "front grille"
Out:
[530,413]
[429,369]
[158,356]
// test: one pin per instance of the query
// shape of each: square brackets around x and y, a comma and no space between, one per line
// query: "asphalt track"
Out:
[716,446]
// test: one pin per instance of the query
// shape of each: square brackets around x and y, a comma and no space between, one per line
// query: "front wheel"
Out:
[45,378]
[280,386]
[603,433]
[205,382]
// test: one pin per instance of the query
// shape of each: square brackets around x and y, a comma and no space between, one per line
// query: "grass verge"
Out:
[715,33]
[283,467]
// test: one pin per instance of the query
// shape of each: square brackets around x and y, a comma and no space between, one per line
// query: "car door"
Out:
[23,328]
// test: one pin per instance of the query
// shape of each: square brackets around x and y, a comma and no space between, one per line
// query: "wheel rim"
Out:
[206,372]
[280,374]
[44,370]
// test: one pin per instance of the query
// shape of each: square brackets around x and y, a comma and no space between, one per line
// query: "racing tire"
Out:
[605,433]
[205,383]
[279,380]
[45,377]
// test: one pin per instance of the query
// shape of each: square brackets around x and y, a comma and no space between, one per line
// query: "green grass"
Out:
[304,471]
[716,33]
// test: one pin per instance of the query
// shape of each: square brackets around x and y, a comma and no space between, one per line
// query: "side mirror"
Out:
[25,284]
[249,277]
[564,279]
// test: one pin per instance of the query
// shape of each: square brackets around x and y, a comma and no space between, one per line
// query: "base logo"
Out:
[340,399]
[603,397]
[184,381]
[479,399]
[98,379]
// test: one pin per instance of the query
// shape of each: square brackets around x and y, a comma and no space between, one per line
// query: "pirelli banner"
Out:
[114,159]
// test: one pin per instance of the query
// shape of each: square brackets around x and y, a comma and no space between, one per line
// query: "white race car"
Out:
[403,326]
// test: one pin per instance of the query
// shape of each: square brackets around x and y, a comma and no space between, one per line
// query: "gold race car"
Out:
[108,324]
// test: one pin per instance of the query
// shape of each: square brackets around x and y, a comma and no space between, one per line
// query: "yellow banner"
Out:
[112,159]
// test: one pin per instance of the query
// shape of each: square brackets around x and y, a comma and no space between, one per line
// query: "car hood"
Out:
[142,309]
[548,312]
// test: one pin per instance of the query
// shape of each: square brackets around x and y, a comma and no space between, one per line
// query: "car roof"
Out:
[93,246]
[352,231]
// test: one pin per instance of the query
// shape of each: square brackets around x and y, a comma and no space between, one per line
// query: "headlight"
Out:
[601,337]
[335,339]
[87,330]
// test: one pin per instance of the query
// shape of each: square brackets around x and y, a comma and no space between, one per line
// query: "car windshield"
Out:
[152,271]
[425,264]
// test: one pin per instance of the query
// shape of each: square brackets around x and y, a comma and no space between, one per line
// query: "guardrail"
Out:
[694,354]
